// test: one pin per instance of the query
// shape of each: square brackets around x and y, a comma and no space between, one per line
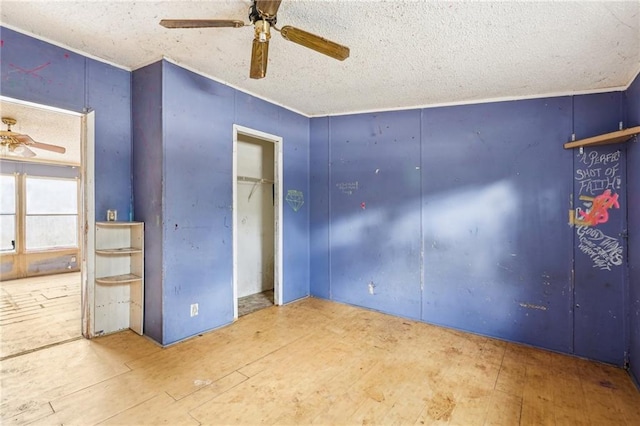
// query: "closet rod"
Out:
[253,179]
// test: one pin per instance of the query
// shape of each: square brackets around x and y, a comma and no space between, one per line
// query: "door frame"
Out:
[86,211]
[277,213]
[87,270]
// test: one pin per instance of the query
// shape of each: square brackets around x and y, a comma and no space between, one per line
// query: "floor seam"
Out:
[30,351]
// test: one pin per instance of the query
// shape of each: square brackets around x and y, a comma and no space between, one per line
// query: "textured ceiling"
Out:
[403,53]
[47,126]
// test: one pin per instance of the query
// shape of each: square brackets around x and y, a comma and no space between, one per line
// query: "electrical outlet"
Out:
[194,309]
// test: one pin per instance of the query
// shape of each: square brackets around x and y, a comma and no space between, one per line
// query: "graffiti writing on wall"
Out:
[295,199]
[604,251]
[599,172]
[599,181]
[347,187]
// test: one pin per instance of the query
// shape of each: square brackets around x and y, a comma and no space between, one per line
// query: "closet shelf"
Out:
[118,279]
[606,139]
[122,250]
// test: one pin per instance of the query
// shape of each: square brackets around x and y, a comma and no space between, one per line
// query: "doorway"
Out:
[257,233]
[41,214]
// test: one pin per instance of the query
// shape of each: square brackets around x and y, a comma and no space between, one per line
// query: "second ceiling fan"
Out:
[18,145]
[263,16]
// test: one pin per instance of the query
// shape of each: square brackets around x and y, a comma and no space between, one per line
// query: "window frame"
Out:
[16,213]
[25,215]
[21,216]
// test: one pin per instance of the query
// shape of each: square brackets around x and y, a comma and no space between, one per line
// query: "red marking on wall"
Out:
[30,72]
[1,43]
[363,205]
[66,55]
[598,213]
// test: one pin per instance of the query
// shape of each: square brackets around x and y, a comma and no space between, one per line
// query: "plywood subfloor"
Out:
[38,311]
[318,362]
[255,302]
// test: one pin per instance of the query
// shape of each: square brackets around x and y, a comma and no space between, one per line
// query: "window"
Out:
[7,213]
[51,213]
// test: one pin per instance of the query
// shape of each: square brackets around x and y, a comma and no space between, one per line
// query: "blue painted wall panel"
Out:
[600,255]
[197,246]
[496,188]
[257,114]
[319,208]
[147,186]
[374,191]
[39,72]
[109,94]
[632,97]
[35,71]
[191,124]
[294,130]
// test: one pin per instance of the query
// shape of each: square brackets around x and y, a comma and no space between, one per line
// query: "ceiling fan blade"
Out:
[314,42]
[268,8]
[259,58]
[24,139]
[48,147]
[27,141]
[201,23]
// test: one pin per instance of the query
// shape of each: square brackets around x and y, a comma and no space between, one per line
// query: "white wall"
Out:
[255,216]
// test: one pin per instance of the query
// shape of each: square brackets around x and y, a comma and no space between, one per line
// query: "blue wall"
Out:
[633,198]
[147,186]
[600,278]
[455,216]
[183,191]
[458,216]
[35,71]
[319,207]
[495,199]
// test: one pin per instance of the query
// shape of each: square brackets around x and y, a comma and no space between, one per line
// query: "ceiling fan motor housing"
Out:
[9,122]
[255,15]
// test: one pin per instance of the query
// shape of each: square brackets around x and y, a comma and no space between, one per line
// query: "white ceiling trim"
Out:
[404,53]
[487,101]
[64,46]
[226,83]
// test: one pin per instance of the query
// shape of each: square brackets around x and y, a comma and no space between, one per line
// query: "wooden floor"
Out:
[313,361]
[38,311]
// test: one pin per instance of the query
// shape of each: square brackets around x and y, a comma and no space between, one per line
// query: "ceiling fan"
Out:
[263,16]
[17,145]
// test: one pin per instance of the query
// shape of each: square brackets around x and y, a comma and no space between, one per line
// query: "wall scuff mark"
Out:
[532,306]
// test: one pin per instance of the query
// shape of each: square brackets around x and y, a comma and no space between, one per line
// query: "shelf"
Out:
[119,279]
[117,251]
[118,224]
[606,139]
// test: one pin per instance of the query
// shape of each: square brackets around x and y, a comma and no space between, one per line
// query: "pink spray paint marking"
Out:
[31,72]
[599,209]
